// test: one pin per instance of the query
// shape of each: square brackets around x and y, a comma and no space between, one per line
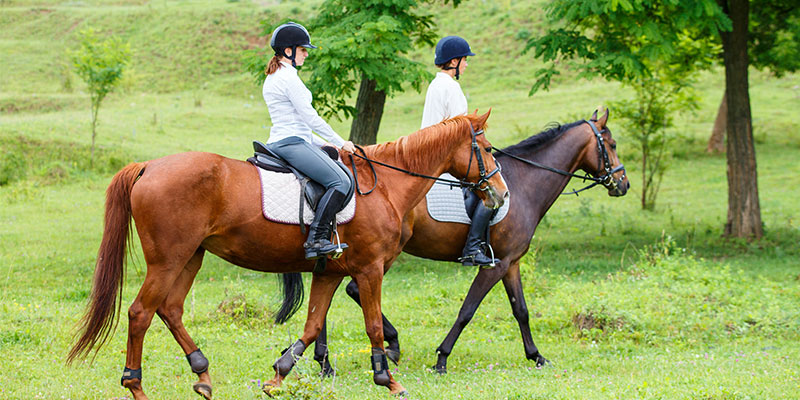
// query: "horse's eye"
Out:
[488,149]
[613,146]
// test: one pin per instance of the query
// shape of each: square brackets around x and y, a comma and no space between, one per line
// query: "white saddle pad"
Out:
[280,200]
[446,204]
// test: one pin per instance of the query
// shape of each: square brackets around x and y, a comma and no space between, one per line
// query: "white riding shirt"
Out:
[443,100]
[289,103]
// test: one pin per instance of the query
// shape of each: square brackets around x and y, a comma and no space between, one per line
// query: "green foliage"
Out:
[775,35]
[12,167]
[304,388]
[621,40]
[100,64]
[51,162]
[649,116]
[358,40]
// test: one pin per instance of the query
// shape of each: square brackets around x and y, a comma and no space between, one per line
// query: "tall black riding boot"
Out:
[472,253]
[319,232]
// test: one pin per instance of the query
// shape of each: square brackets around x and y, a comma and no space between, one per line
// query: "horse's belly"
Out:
[436,241]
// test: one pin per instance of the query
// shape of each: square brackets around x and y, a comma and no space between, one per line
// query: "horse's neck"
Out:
[427,157]
[540,187]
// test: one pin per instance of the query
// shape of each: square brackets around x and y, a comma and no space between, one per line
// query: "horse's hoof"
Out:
[542,362]
[270,390]
[328,372]
[403,394]
[203,390]
[440,369]
[393,355]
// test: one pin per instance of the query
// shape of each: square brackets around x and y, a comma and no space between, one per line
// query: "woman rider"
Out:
[293,119]
[444,99]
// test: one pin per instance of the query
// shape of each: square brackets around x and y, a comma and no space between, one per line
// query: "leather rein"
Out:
[606,179]
[484,176]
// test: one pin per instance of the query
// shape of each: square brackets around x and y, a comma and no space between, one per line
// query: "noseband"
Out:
[606,179]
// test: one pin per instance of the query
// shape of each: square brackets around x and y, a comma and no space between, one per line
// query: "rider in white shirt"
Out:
[293,120]
[444,99]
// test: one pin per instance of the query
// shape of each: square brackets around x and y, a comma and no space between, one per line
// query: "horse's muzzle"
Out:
[620,187]
[494,199]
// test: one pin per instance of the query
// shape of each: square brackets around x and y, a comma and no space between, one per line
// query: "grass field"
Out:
[678,311]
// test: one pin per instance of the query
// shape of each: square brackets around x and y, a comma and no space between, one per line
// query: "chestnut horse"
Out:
[559,152]
[186,204]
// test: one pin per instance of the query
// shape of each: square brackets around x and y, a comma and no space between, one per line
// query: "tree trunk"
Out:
[369,110]
[744,211]
[716,143]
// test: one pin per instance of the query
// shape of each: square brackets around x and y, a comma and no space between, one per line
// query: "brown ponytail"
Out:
[274,65]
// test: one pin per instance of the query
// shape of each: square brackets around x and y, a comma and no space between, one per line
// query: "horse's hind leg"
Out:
[321,352]
[166,257]
[157,285]
[322,289]
[171,312]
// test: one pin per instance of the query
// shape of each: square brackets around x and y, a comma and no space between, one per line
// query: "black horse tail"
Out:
[292,293]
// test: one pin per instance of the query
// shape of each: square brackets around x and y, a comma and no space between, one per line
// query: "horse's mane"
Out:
[426,143]
[551,132]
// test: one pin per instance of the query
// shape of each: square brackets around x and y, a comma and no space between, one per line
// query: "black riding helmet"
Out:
[290,35]
[450,47]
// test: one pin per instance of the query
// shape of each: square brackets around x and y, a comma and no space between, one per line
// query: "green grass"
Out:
[678,312]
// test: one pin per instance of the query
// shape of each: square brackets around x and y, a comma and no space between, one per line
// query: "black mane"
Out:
[555,130]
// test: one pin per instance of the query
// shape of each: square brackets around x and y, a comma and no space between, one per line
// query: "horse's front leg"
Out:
[390,334]
[369,283]
[322,289]
[483,282]
[513,285]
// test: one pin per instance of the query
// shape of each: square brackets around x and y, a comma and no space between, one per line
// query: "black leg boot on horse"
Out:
[319,232]
[477,237]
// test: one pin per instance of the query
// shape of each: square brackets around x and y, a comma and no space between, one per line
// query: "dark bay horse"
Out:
[533,190]
[186,204]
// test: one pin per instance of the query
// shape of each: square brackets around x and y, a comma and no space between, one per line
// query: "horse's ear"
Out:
[594,116]
[601,123]
[482,119]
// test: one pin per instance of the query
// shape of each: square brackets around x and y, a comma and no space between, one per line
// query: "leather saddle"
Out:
[311,190]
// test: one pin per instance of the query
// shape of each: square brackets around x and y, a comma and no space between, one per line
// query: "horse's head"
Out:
[473,161]
[601,158]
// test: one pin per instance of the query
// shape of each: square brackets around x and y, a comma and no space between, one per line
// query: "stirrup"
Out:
[469,260]
[339,246]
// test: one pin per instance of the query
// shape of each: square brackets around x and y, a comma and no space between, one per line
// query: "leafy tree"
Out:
[649,115]
[362,43]
[774,44]
[618,39]
[100,63]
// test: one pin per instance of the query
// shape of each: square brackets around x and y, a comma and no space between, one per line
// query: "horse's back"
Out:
[193,185]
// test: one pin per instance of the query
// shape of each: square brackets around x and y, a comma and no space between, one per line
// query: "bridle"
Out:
[606,179]
[474,186]
[476,151]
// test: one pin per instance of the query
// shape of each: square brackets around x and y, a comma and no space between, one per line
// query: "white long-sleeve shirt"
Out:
[443,100]
[289,103]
